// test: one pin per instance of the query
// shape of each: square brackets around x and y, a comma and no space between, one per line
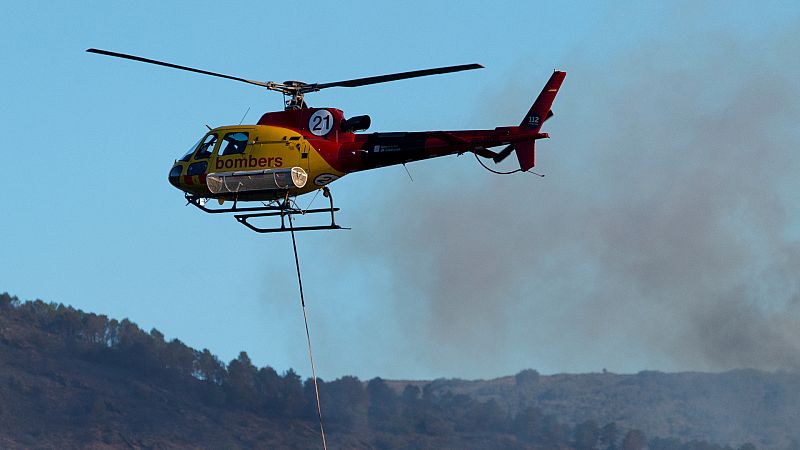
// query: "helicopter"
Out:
[303,149]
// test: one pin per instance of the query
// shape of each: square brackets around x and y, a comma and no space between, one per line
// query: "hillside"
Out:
[732,407]
[70,379]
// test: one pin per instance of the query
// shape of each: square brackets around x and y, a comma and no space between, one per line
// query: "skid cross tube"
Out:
[282,209]
[196,202]
[289,212]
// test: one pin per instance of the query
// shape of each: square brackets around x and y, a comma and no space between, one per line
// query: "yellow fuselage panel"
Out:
[267,147]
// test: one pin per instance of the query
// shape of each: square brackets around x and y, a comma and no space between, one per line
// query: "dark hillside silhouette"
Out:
[70,379]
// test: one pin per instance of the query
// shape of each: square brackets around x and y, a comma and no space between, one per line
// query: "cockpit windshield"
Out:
[188,154]
[233,143]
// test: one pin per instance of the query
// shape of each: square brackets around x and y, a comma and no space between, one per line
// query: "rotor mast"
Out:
[295,90]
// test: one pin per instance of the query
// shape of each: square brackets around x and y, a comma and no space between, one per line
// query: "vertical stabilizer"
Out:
[539,112]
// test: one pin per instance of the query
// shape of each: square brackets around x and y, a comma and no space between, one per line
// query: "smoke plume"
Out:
[665,234]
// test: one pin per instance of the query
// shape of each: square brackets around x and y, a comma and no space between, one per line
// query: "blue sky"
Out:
[90,220]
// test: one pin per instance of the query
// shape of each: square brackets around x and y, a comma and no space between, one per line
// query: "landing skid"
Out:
[283,209]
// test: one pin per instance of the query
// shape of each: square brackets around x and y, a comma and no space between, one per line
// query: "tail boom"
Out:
[369,151]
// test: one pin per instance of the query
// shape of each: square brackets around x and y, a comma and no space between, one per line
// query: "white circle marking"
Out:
[321,122]
[325,178]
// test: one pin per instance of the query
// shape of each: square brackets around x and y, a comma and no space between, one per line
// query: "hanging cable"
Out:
[308,336]
[504,173]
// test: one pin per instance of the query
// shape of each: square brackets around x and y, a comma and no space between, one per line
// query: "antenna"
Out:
[245,115]
[409,173]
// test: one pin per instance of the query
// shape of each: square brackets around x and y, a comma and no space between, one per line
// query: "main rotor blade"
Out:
[397,76]
[175,66]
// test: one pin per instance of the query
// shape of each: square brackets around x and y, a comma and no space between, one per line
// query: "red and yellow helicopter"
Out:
[302,149]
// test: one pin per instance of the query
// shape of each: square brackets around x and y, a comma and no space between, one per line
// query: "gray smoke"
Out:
[664,236]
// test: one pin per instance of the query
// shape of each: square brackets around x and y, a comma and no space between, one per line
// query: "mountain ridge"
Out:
[70,379]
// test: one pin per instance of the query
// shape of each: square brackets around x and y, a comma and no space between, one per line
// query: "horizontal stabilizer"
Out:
[503,154]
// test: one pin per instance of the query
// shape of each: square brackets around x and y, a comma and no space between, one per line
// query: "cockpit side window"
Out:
[207,147]
[234,143]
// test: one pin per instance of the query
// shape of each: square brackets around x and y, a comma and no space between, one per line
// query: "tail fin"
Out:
[539,112]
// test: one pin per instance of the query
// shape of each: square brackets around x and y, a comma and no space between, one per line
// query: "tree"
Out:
[382,403]
[310,398]
[586,435]
[410,396]
[527,424]
[345,399]
[135,348]
[429,415]
[67,322]
[209,368]
[634,440]
[112,333]
[461,409]
[7,302]
[609,436]
[94,328]
[157,336]
[292,394]
[410,408]
[489,416]
[268,385]
[37,312]
[665,444]
[240,384]
[158,349]
[526,377]
[180,358]
[794,445]
[554,433]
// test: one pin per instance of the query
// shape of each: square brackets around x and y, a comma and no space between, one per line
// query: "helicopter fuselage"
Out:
[301,149]
[249,162]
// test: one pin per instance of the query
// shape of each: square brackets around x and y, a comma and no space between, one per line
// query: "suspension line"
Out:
[308,335]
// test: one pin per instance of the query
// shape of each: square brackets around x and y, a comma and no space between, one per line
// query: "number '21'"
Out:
[317,121]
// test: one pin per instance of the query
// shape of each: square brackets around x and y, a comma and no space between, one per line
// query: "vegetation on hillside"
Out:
[75,379]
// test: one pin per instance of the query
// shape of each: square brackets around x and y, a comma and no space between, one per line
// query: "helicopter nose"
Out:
[175,175]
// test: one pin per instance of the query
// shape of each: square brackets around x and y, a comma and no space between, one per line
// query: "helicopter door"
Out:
[232,157]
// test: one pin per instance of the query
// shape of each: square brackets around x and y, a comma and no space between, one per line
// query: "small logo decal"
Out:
[325,178]
[385,148]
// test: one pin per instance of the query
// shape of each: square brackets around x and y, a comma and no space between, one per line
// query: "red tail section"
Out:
[539,112]
[526,154]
